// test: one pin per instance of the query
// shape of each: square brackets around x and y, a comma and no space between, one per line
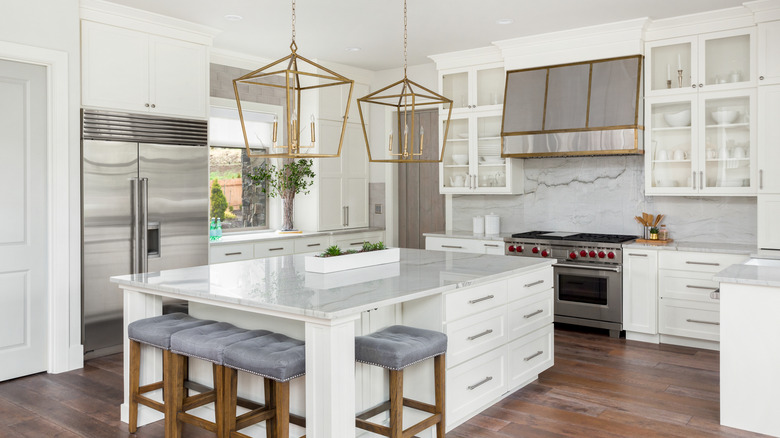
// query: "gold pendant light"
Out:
[299,78]
[407,97]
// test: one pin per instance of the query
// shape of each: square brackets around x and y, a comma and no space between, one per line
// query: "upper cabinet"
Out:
[768,49]
[474,88]
[128,70]
[709,62]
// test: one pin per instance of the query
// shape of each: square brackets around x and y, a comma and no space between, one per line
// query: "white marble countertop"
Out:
[468,235]
[282,284]
[720,247]
[255,236]
[750,274]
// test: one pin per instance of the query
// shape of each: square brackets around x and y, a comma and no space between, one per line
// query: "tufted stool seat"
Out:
[205,342]
[278,359]
[156,332]
[395,348]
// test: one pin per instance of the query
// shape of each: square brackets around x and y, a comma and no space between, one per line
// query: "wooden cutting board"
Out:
[654,242]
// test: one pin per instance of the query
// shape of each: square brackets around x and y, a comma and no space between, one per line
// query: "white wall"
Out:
[54,25]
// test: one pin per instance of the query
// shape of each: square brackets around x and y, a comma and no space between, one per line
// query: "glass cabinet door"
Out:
[455,166]
[490,86]
[455,86]
[491,167]
[669,61]
[672,146]
[727,160]
[725,59]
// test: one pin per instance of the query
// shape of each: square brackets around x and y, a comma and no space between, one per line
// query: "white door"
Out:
[23,240]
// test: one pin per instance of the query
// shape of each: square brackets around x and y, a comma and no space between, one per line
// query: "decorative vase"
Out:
[287,213]
[653,236]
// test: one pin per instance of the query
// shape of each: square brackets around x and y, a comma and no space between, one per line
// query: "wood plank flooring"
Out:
[599,387]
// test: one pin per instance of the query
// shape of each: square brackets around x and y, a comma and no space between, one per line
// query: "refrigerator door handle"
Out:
[136,232]
[143,255]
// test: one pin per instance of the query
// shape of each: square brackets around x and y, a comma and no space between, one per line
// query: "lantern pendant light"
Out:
[298,77]
[407,97]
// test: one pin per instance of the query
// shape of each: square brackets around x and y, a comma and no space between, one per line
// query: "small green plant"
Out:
[653,230]
[334,250]
[331,251]
[218,201]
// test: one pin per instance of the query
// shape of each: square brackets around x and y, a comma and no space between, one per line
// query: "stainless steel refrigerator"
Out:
[145,209]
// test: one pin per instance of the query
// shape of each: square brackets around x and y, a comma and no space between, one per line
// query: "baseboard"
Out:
[145,415]
[690,342]
[642,337]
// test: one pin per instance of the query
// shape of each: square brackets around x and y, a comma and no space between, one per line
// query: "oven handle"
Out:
[592,268]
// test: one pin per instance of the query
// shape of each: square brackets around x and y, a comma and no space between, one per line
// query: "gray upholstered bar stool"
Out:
[278,359]
[155,331]
[395,348]
[206,342]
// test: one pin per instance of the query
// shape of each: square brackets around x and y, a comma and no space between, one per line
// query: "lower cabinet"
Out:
[640,301]
[453,244]
[231,253]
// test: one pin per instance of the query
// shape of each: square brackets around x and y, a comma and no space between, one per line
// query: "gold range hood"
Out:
[578,109]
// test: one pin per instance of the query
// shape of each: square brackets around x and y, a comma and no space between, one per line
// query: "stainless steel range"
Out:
[588,274]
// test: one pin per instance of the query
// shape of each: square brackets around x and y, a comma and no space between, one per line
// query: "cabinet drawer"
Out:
[275,248]
[697,261]
[474,384]
[311,244]
[530,314]
[530,284]
[355,241]
[454,245]
[492,247]
[475,299]
[472,336]
[689,318]
[694,286]
[230,253]
[529,356]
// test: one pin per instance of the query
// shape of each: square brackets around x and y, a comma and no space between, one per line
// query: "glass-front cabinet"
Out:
[708,62]
[472,158]
[701,143]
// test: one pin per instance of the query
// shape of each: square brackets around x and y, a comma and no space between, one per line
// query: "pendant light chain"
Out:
[405,38]
[293,45]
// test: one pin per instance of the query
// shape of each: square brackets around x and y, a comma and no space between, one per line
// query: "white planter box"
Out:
[324,265]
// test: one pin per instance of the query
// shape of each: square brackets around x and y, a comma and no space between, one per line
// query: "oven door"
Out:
[589,291]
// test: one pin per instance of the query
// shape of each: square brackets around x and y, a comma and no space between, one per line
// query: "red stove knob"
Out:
[519,248]
[544,253]
[511,248]
[592,253]
[602,254]
[611,255]
[583,253]
[535,250]
[572,255]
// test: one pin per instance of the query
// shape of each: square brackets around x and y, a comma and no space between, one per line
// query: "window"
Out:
[245,205]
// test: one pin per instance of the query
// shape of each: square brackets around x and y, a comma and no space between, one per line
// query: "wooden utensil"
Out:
[640,220]
[658,220]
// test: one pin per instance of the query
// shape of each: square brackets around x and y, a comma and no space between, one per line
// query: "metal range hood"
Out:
[584,108]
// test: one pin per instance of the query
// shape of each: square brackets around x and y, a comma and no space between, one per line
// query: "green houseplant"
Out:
[285,181]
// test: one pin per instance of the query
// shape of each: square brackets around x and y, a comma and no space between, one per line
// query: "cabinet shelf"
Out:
[673,128]
[730,125]
[746,159]
[457,165]
[671,161]
[489,138]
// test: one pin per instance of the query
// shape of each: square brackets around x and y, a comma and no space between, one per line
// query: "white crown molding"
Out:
[148,22]
[764,10]
[466,58]
[694,24]
[237,59]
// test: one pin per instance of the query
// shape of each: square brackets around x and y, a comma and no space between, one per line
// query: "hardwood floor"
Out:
[599,387]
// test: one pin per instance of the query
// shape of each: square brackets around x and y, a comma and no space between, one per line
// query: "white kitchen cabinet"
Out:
[701,144]
[769,139]
[356,240]
[476,245]
[124,69]
[311,244]
[768,229]
[273,248]
[768,48]
[231,252]
[712,61]
[640,291]
[333,100]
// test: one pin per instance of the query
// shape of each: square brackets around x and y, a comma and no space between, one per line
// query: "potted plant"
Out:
[293,177]
[653,233]
[334,259]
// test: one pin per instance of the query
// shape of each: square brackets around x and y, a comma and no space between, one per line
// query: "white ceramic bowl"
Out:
[682,118]
[460,159]
[493,160]
[725,116]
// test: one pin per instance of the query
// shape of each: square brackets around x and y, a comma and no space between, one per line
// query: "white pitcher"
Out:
[457,181]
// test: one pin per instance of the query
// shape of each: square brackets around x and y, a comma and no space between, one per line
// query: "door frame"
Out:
[65,351]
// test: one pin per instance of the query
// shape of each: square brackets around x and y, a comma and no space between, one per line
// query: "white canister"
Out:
[492,224]
[479,225]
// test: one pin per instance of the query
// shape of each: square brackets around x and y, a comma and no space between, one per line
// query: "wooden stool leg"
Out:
[270,403]
[438,377]
[396,404]
[220,410]
[229,395]
[282,409]
[173,392]
[134,380]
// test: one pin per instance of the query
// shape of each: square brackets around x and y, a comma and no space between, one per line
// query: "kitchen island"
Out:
[459,294]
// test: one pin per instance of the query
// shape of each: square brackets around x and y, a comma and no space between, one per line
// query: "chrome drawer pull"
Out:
[480,383]
[637,255]
[491,245]
[313,244]
[534,283]
[451,246]
[482,299]
[699,287]
[356,243]
[533,313]
[702,263]
[275,249]
[538,353]
[702,322]
[479,335]
[715,295]
[233,253]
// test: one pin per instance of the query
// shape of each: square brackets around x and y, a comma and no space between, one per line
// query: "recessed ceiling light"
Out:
[505,21]
[352,49]
[233,17]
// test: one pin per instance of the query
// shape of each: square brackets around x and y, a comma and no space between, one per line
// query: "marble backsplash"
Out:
[602,195]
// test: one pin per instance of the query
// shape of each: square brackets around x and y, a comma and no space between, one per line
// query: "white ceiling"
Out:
[325,28]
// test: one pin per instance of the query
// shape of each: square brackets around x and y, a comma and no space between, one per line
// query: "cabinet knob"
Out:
[760,78]
[146,105]
[693,85]
[153,106]
[701,85]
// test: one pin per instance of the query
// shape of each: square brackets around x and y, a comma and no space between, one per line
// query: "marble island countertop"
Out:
[281,283]
[254,236]
[756,272]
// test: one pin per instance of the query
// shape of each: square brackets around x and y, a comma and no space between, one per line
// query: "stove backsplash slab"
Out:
[602,195]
